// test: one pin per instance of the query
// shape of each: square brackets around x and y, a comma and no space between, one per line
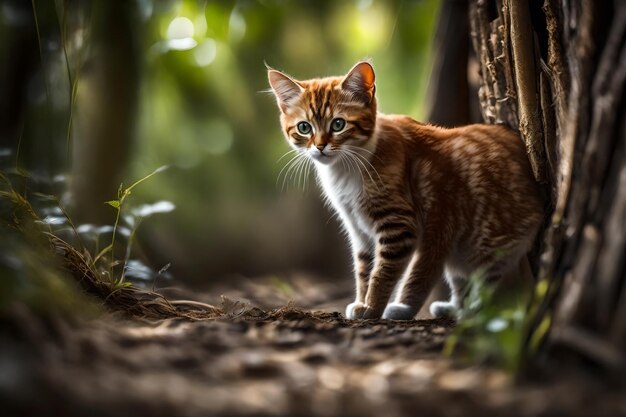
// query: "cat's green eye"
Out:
[304,128]
[337,124]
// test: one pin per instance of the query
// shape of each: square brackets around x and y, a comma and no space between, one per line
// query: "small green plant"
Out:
[45,261]
[118,204]
[282,286]
[29,273]
[35,213]
[492,329]
[538,332]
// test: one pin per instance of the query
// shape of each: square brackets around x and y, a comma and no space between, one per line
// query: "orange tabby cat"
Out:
[418,201]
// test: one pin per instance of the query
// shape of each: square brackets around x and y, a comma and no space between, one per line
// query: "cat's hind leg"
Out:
[508,277]
[423,275]
[460,286]
[451,308]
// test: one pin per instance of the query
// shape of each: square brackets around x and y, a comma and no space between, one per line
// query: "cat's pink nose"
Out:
[320,147]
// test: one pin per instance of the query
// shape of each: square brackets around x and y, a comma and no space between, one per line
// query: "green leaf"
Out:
[156,171]
[540,333]
[120,284]
[102,253]
[541,289]
[113,203]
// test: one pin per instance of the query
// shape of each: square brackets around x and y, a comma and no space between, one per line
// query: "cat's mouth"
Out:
[323,158]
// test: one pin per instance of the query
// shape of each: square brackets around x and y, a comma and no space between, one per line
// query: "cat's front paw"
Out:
[444,309]
[399,311]
[350,310]
[360,311]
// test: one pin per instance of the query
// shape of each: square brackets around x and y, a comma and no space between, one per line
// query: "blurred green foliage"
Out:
[204,111]
[493,325]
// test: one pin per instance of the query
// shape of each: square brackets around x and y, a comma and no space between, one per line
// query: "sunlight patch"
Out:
[236,26]
[205,53]
[180,28]
[146,210]
[180,34]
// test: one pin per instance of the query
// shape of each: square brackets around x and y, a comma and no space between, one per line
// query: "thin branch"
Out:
[526,80]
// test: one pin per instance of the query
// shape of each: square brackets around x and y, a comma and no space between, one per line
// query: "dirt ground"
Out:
[302,360]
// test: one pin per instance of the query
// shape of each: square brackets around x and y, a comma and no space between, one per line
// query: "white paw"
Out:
[350,310]
[444,309]
[360,311]
[398,311]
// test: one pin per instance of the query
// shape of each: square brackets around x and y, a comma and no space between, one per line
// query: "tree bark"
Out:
[556,71]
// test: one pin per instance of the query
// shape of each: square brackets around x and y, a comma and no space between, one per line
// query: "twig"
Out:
[525,78]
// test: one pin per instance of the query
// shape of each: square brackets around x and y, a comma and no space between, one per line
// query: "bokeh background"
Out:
[98,93]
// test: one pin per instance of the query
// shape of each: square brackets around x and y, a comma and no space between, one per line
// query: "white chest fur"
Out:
[343,188]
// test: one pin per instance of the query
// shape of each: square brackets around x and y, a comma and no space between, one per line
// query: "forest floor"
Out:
[265,361]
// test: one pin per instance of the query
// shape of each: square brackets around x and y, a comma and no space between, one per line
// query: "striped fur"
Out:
[418,202]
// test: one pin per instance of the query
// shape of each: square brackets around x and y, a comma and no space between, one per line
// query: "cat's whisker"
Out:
[285,154]
[310,167]
[294,173]
[292,160]
[305,174]
[357,167]
[308,172]
[358,161]
[345,159]
[358,148]
[380,180]
[354,155]
[287,167]
[292,164]
[300,172]
[343,163]
[363,158]
[352,161]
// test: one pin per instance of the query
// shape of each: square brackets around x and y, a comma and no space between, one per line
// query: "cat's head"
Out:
[327,116]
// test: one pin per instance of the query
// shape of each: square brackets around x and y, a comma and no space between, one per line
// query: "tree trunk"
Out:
[450,99]
[106,106]
[555,71]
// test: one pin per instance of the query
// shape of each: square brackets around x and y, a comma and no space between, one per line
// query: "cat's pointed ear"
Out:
[360,82]
[285,89]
